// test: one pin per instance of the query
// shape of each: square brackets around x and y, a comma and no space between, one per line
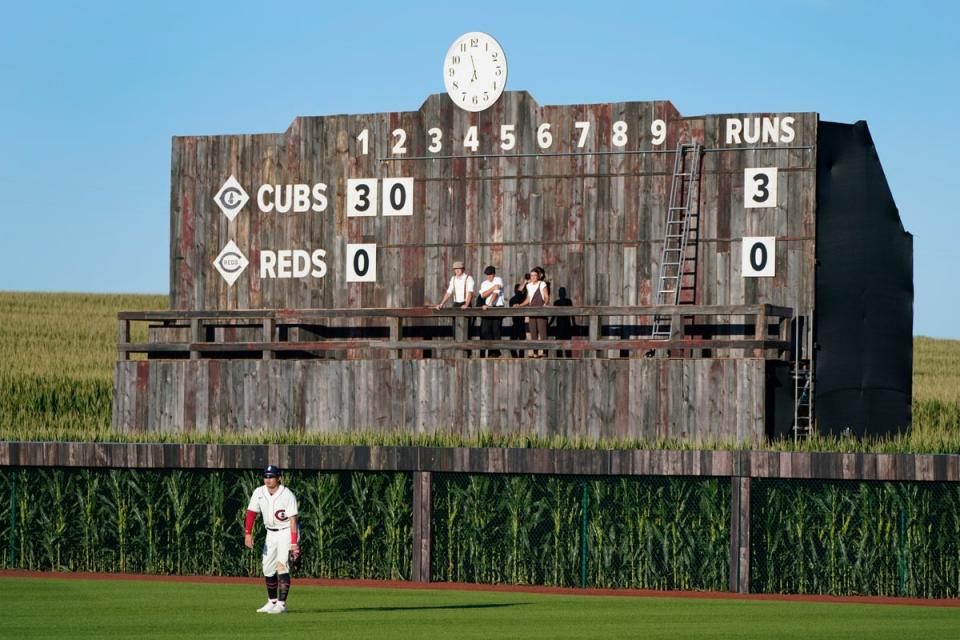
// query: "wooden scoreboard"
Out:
[371,210]
[320,232]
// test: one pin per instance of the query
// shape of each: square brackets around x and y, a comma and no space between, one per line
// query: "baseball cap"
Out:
[458,265]
[272,471]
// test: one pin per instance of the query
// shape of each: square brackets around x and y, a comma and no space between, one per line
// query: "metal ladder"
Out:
[801,369]
[686,176]
[803,403]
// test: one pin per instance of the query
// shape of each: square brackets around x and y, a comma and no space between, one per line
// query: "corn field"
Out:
[191,522]
[856,538]
[637,532]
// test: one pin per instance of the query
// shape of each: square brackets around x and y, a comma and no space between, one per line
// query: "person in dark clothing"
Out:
[517,329]
[564,324]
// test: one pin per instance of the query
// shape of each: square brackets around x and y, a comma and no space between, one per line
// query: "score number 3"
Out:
[760,188]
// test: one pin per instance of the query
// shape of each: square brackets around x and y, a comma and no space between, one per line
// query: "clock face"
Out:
[475,71]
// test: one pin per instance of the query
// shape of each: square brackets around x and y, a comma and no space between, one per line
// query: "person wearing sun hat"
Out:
[460,287]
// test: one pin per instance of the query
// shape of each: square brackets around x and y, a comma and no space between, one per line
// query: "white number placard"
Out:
[760,188]
[361,197]
[759,258]
[398,196]
[361,263]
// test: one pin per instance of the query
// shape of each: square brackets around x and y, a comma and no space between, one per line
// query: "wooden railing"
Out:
[763,332]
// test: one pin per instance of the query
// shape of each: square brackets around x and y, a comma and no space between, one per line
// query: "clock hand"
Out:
[472,64]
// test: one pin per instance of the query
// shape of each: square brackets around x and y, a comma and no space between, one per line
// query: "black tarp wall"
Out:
[863,324]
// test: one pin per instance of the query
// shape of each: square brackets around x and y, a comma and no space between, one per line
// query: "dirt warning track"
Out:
[503,588]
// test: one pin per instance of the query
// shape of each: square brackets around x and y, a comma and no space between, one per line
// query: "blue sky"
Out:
[91,93]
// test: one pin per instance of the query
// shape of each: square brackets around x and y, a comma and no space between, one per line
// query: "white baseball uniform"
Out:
[276,510]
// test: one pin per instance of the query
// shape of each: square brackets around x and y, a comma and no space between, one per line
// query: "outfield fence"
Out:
[685,522]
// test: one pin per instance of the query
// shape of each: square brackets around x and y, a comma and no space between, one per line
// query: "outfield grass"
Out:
[58,608]
[57,353]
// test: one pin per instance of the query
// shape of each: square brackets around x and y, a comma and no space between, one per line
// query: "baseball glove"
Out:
[296,559]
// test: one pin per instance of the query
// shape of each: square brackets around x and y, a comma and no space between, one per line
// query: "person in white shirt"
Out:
[278,507]
[460,287]
[538,295]
[491,295]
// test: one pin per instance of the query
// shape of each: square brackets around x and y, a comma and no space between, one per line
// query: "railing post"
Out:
[395,332]
[785,322]
[760,331]
[194,337]
[739,534]
[422,516]
[123,338]
[461,335]
[268,338]
[593,334]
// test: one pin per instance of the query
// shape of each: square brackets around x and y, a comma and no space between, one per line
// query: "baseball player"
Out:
[278,507]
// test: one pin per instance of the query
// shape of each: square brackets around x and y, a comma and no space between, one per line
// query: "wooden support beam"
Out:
[422,516]
[593,334]
[123,338]
[195,337]
[268,326]
[395,332]
[460,335]
[760,329]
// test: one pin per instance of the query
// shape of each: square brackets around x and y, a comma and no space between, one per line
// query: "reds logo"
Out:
[281,515]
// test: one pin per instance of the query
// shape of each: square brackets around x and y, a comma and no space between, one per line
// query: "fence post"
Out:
[422,517]
[902,563]
[13,520]
[583,538]
[739,534]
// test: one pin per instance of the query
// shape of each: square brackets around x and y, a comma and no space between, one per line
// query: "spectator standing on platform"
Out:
[491,295]
[460,287]
[517,329]
[538,295]
[564,325]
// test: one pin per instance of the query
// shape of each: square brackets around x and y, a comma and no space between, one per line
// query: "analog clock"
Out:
[475,71]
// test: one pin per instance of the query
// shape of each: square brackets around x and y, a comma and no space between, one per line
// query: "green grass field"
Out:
[56,378]
[57,608]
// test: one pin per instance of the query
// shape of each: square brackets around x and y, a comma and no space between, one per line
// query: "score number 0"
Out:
[361,263]
[759,257]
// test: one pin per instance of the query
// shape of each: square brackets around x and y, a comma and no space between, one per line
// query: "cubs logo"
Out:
[281,515]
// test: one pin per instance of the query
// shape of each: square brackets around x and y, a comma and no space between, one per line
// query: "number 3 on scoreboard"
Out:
[361,263]
[361,197]
[759,257]
[760,188]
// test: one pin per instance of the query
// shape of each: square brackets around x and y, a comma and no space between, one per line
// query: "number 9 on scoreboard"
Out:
[759,257]
[361,263]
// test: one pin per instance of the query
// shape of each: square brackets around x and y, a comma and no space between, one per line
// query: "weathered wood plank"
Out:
[702,463]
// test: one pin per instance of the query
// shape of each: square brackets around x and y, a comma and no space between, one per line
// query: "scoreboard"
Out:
[371,210]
